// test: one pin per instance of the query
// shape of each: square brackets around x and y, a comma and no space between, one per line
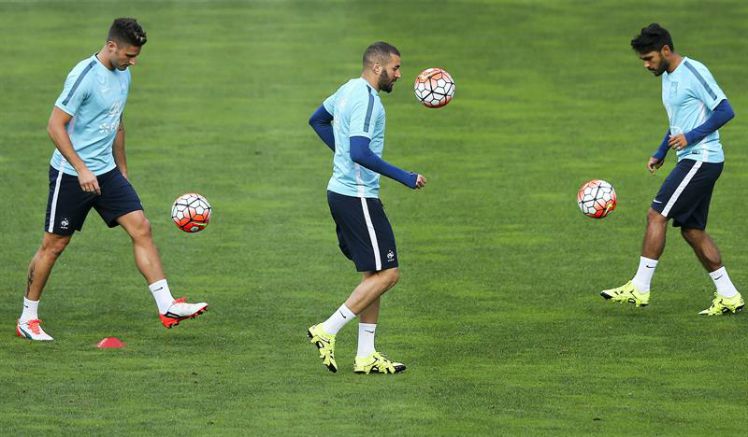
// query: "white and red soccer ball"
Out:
[191,212]
[434,87]
[596,198]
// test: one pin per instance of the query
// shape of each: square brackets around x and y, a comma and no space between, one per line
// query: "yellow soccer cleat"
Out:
[325,344]
[376,363]
[723,305]
[627,293]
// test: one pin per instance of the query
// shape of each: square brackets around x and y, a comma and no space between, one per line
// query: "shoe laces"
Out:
[382,358]
[34,326]
[384,363]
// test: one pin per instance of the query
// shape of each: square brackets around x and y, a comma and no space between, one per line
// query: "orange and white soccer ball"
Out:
[596,198]
[191,212]
[434,87]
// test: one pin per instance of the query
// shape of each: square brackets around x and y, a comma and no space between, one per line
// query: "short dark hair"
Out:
[128,31]
[380,52]
[652,39]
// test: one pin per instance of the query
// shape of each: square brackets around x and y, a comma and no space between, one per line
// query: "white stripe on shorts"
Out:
[372,234]
[680,188]
[53,207]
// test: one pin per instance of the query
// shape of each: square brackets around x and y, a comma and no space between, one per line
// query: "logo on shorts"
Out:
[390,256]
[64,223]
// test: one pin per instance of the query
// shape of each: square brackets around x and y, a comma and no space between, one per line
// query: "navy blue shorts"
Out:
[364,233]
[686,193]
[68,204]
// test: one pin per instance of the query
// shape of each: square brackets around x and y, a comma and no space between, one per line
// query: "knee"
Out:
[690,235]
[391,276]
[654,217]
[54,247]
[141,230]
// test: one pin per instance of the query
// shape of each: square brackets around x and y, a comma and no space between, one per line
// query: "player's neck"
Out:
[104,59]
[373,81]
[674,62]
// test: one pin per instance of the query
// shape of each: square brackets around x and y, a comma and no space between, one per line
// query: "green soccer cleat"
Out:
[627,293]
[325,344]
[376,363]
[723,305]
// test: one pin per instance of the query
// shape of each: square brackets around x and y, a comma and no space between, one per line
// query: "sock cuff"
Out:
[649,261]
[368,325]
[158,286]
[719,272]
[346,311]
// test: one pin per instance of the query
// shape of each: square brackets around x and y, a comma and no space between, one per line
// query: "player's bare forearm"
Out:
[57,130]
[119,150]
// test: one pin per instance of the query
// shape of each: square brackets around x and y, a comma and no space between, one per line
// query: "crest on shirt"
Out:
[103,84]
[673,88]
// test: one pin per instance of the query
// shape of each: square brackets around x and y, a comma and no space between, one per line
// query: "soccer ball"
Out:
[434,87]
[596,198]
[191,212]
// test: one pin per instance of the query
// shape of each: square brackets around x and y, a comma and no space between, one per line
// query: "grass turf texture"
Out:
[497,313]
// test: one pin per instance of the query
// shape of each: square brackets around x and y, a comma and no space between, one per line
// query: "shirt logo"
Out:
[103,84]
[114,113]
[673,89]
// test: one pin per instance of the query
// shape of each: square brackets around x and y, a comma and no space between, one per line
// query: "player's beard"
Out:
[121,67]
[385,83]
[664,66]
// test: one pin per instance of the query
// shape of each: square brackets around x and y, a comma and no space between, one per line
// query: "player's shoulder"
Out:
[696,67]
[366,94]
[354,93]
[357,87]
[83,67]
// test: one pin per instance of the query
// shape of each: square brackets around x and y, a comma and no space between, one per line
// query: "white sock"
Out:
[723,283]
[643,277]
[338,319]
[30,308]
[366,332]
[162,295]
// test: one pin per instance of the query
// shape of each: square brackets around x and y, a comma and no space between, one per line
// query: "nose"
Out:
[132,61]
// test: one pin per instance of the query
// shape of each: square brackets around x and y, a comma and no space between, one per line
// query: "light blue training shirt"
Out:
[95,97]
[690,94]
[357,111]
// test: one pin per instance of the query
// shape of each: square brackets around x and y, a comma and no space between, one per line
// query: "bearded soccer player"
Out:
[89,170]
[696,107]
[351,123]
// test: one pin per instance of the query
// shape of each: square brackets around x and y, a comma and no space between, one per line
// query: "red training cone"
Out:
[110,342]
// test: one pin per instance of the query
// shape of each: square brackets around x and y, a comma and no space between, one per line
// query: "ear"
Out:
[666,51]
[111,45]
[376,68]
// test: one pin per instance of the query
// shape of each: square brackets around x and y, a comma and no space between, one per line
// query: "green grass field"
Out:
[497,313]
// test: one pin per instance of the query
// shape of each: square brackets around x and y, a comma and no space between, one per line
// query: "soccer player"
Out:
[89,170]
[351,123]
[696,108]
